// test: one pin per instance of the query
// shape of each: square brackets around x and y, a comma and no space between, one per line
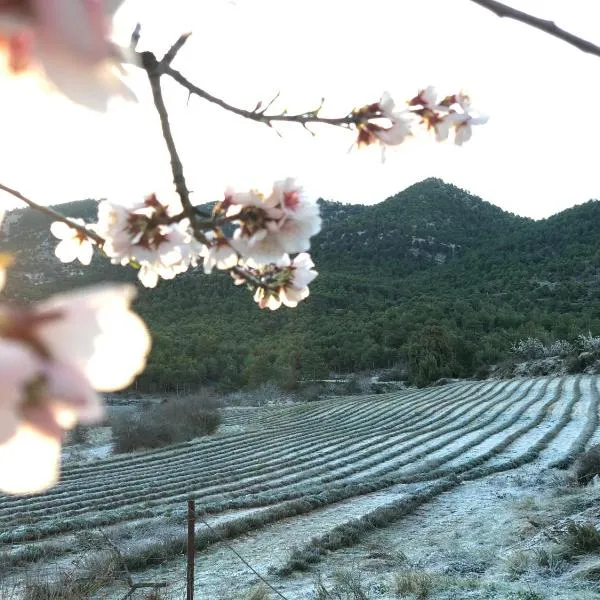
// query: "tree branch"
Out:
[260,116]
[54,215]
[502,10]
[154,70]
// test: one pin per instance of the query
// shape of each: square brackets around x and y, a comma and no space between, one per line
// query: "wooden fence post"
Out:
[191,548]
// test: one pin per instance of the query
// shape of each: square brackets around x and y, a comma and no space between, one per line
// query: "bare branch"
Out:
[502,10]
[258,115]
[176,166]
[135,37]
[92,235]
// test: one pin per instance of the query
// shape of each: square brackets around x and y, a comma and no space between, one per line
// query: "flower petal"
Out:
[67,250]
[99,334]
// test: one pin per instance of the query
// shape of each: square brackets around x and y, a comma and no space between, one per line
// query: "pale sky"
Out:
[536,156]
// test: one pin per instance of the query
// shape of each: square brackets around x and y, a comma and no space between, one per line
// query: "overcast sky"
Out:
[536,156]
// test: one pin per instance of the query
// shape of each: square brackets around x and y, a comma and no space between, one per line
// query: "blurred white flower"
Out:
[97,332]
[74,245]
[68,40]
[52,359]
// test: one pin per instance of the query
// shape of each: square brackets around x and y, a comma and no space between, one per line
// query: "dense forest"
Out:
[433,280]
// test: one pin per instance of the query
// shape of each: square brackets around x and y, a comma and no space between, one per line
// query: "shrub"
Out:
[580,538]
[550,561]
[517,563]
[80,434]
[177,420]
[531,348]
[259,592]
[418,584]
[526,595]
[589,343]
[587,465]
[560,348]
[347,585]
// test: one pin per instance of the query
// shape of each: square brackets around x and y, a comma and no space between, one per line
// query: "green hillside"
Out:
[432,273]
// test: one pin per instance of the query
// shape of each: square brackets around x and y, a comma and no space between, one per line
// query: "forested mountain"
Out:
[430,274]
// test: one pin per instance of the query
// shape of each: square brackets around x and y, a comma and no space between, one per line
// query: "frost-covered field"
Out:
[442,480]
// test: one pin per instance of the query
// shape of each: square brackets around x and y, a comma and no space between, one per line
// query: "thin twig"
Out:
[257,115]
[54,214]
[135,37]
[153,71]
[174,49]
[117,552]
[230,547]
[502,10]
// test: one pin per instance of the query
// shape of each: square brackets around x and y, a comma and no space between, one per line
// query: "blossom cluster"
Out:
[381,123]
[158,237]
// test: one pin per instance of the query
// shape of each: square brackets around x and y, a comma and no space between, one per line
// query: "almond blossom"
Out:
[68,42]
[74,244]
[142,232]
[462,124]
[219,254]
[285,282]
[275,225]
[383,125]
[52,359]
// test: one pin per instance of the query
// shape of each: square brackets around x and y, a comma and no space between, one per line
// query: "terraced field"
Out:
[298,483]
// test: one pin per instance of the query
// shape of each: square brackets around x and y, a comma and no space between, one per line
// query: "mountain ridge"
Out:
[430,256]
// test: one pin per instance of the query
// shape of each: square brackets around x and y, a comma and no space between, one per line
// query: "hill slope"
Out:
[432,267]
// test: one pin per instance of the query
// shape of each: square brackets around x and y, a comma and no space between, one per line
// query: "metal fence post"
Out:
[191,548]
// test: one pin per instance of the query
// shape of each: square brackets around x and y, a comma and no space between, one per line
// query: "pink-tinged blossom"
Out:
[50,399]
[73,245]
[275,225]
[383,125]
[68,41]
[142,233]
[426,98]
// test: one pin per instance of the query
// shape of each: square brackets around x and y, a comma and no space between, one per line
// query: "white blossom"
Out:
[219,254]
[141,233]
[281,223]
[293,276]
[73,244]
[67,42]
[463,126]
[302,274]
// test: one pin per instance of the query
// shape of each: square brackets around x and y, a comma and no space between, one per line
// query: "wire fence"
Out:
[101,572]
